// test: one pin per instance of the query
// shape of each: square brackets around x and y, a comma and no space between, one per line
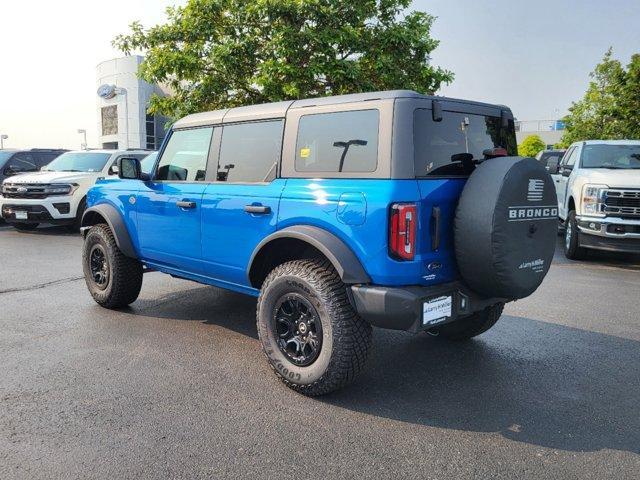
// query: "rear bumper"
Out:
[411,308]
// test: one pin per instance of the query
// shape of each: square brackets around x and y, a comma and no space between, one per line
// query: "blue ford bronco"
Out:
[392,209]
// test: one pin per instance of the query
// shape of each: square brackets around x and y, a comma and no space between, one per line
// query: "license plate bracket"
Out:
[21,215]
[437,310]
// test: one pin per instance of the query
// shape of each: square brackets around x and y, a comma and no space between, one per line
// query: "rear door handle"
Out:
[260,209]
[186,204]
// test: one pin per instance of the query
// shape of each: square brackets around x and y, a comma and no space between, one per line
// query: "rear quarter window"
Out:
[338,142]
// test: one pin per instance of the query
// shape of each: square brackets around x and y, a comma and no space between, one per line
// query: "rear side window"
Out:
[250,152]
[185,157]
[22,162]
[550,159]
[436,144]
[338,142]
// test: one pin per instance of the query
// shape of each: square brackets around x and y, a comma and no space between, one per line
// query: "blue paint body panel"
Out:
[213,242]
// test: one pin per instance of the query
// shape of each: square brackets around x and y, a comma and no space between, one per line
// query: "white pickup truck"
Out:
[598,187]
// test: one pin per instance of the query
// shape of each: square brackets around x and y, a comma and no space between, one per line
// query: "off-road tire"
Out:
[125,273]
[346,338]
[572,248]
[25,227]
[472,326]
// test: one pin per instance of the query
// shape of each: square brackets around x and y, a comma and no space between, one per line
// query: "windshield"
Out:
[4,156]
[148,162]
[79,162]
[617,157]
[438,145]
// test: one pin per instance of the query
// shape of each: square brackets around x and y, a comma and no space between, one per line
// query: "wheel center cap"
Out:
[302,327]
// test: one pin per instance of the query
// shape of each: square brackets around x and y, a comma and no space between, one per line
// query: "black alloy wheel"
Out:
[99,266]
[299,329]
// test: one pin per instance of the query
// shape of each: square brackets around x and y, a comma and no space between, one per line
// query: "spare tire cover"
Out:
[506,226]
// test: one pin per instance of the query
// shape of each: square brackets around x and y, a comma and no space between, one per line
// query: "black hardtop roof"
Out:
[279,109]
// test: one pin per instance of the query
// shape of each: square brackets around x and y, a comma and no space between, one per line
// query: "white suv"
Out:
[57,193]
[598,187]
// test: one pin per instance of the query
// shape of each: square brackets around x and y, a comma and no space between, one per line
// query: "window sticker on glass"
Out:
[305,152]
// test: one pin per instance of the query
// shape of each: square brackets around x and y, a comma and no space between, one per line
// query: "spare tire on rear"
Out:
[505,227]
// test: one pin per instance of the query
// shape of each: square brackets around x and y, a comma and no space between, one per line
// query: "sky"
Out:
[534,56]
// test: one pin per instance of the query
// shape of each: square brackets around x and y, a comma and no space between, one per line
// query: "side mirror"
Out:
[113,170]
[128,168]
[566,170]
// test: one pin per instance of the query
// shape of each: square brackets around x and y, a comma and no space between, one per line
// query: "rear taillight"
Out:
[402,230]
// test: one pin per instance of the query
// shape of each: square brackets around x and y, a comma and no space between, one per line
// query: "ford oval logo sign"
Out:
[22,189]
[107,91]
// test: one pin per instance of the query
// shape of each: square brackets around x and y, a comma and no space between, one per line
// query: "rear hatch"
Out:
[444,153]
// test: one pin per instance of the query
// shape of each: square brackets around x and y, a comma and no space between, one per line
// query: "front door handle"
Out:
[260,209]
[186,204]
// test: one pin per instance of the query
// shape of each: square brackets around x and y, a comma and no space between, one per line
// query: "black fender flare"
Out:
[116,224]
[337,252]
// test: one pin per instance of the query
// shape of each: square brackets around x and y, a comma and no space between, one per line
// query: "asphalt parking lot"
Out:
[176,386]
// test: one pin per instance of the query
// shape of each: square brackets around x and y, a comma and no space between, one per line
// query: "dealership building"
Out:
[123,99]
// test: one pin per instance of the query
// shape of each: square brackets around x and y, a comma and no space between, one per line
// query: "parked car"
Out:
[57,193]
[598,188]
[550,159]
[391,209]
[14,162]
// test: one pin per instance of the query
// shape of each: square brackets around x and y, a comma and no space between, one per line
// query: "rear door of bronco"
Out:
[240,207]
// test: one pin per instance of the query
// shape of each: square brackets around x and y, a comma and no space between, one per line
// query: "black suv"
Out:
[13,162]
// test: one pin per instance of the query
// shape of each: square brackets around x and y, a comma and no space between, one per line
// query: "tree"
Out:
[530,146]
[610,107]
[224,53]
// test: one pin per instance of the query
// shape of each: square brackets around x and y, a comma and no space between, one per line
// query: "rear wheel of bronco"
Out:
[114,280]
[309,332]
[572,248]
[473,325]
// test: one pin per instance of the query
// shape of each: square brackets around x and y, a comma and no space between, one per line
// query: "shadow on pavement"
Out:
[531,381]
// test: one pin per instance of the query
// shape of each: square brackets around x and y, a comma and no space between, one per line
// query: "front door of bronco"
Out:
[240,208]
[169,207]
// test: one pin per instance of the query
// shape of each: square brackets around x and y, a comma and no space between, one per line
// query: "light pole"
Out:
[107,92]
[3,137]
[83,145]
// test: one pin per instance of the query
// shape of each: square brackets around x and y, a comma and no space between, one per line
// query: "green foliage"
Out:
[530,146]
[610,109]
[224,53]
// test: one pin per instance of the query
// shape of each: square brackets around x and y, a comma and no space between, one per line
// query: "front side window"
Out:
[338,142]
[571,159]
[250,152]
[185,157]
[438,145]
[79,162]
[613,157]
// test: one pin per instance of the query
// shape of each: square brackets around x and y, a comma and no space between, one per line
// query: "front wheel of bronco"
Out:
[113,279]
[310,333]
[473,325]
